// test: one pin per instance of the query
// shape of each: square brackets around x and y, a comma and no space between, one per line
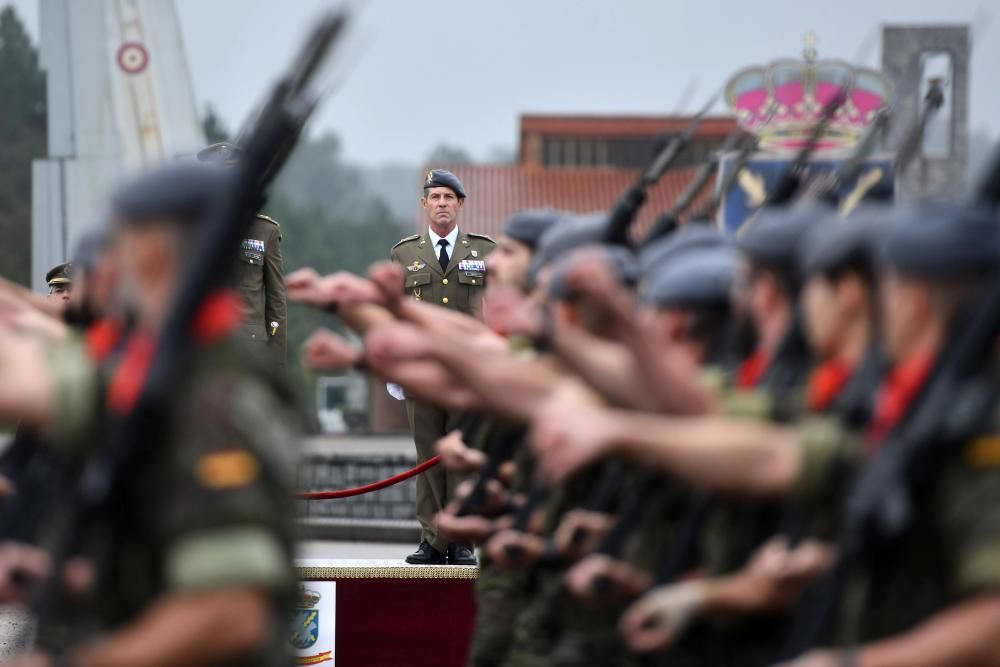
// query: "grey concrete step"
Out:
[360,530]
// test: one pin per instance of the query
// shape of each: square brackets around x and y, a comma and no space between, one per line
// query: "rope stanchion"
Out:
[374,486]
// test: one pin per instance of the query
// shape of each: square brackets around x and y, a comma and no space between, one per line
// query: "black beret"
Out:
[567,234]
[59,275]
[181,190]
[442,178]
[772,238]
[700,277]
[691,236]
[529,225]
[221,153]
[942,241]
[623,265]
[838,243]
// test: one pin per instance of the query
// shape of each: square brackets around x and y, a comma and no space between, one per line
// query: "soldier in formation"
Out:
[710,450]
[194,565]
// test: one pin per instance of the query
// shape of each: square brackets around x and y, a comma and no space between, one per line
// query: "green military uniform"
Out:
[499,593]
[459,287]
[212,505]
[950,551]
[259,278]
[208,505]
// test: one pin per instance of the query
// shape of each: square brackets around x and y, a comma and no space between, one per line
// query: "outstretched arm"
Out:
[29,378]
[963,635]
[356,301]
[732,455]
[510,385]
[664,371]
[185,629]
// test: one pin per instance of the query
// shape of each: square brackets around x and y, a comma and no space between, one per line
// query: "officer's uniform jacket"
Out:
[460,287]
[259,278]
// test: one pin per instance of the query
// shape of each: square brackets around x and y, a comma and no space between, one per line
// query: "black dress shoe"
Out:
[461,554]
[426,555]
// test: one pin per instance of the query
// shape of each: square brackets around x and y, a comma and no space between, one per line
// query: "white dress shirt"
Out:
[451,239]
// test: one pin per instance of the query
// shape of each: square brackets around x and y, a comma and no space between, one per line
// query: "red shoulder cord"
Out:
[101,338]
[751,370]
[218,316]
[895,396]
[825,384]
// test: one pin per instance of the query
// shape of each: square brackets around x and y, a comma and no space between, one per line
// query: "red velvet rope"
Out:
[374,486]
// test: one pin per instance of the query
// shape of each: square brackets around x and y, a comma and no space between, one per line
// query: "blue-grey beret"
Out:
[568,234]
[942,241]
[773,237]
[89,248]
[622,262]
[442,178]
[691,236]
[838,243]
[183,191]
[699,277]
[529,225]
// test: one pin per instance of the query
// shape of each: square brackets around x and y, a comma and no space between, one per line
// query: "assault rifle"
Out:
[266,147]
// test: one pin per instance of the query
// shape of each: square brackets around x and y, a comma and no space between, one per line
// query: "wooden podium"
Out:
[383,613]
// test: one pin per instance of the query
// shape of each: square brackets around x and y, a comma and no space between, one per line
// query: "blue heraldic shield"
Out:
[305,628]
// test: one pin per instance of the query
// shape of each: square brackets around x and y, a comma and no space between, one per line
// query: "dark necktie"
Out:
[443,255]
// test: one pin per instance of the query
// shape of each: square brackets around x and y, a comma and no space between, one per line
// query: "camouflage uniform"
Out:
[212,504]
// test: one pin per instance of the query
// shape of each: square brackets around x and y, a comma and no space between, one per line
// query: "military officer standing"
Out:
[60,282]
[259,276]
[445,266]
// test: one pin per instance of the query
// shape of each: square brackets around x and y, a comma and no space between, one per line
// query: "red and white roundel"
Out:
[133,57]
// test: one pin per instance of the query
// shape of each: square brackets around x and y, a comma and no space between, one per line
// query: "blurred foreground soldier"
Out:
[94,279]
[500,594]
[259,276]
[194,567]
[444,266]
[60,282]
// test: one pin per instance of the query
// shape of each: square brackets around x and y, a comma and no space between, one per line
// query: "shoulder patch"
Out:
[983,452]
[227,469]
[408,238]
[269,219]
[481,236]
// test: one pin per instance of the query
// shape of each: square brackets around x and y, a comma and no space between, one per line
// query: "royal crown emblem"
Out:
[782,102]
[307,599]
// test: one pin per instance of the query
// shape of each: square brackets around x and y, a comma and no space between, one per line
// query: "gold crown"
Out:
[308,598]
[430,176]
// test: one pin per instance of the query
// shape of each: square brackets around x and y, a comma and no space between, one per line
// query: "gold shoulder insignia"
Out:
[227,469]
[268,218]
[408,238]
[481,236]
[983,452]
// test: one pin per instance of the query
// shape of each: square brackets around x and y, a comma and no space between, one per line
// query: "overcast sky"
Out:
[461,71]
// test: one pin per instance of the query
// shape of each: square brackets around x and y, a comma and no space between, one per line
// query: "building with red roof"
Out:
[583,164]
